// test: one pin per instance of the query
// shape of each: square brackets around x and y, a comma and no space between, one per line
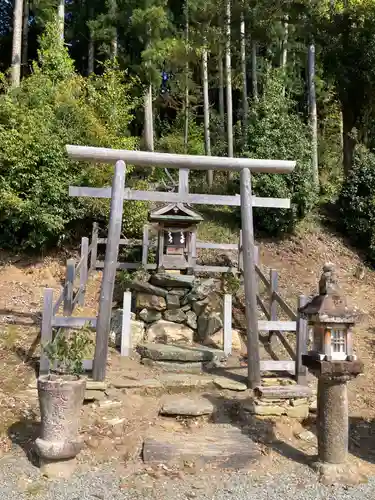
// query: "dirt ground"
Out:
[299,261]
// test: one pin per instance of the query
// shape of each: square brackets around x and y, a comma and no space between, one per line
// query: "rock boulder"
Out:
[168,332]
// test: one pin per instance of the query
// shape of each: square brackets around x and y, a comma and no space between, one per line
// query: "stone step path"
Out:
[216,445]
[186,406]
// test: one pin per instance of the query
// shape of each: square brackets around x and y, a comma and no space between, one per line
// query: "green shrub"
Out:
[54,107]
[357,201]
[276,131]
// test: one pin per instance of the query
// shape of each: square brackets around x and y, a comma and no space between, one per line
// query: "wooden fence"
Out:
[72,295]
[275,326]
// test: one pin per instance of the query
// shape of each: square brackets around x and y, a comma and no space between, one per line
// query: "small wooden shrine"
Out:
[176,226]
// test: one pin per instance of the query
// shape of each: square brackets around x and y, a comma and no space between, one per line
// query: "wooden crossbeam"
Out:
[189,198]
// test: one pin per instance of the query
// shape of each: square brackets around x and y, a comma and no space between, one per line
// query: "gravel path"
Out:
[19,480]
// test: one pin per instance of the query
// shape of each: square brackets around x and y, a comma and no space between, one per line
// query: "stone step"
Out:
[165,382]
[217,445]
[176,366]
[283,392]
[186,406]
[182,353]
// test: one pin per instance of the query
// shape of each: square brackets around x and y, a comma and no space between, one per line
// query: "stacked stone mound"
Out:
[176,309]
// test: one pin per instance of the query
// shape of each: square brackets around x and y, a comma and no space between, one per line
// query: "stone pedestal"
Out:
[333,420]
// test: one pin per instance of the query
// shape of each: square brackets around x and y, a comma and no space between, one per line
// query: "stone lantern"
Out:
[332,361]
[331,321]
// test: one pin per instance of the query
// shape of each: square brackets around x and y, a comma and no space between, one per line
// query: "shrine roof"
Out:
[175,212]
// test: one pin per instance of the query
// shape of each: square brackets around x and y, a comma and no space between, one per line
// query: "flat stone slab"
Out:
[231,385]
[172,281]
[176,366]
[190,407]
[283,392]
[220,446]
[141,286]
[165,352]
[150,383]
[182,380]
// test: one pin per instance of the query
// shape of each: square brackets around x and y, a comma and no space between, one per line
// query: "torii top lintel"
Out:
[195,162]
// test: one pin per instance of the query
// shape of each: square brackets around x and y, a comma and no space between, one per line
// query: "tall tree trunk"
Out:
[221,93]
[349,141]
[284,43]
[91,55]
[284,49]
[17,43]
[114,46]
[186,110]
[206,108]
[114,41]
[91,47]
[25,36]
[254,72]
[61,16]
[245,105]
[149,120]
[313,115]
[228,69]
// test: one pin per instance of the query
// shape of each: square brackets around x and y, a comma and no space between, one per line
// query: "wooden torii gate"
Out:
[118,193]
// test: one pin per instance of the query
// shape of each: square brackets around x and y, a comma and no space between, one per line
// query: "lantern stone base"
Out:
[343,474]
[348,369]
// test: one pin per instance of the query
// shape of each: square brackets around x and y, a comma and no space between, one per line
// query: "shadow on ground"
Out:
[263,431]
[23,434]
[260,430]
[28,357]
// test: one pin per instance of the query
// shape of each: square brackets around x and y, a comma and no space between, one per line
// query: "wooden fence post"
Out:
[126,334]
[84,270]
[145,244]
[183,180]
[227,341]
[94,246]
[46,330]
[250,282]
[274,285]
[302,337]
[109,272]
[69,283]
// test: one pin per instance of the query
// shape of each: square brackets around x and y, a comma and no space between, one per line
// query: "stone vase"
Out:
[60,400]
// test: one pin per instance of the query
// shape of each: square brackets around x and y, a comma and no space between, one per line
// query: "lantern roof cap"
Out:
[330,305]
